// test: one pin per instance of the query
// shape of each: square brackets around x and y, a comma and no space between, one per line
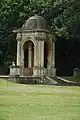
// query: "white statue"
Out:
[13,63]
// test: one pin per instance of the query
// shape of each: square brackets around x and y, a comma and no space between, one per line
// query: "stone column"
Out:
[18,53]
[29,57]
[42,60]
[53,65]
[41,57]
[53,51]
[22,60]
[41,53]
[35,56]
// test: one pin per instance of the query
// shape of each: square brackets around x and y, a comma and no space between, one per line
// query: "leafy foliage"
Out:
[63,17]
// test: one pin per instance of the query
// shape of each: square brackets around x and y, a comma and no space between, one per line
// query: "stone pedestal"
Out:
[14,70]
[37,71]
[76,72]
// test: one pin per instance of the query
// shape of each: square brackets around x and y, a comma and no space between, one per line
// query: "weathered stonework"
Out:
[35,49]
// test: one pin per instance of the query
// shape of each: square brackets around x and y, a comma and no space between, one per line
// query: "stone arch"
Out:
[28,39]
[28,48]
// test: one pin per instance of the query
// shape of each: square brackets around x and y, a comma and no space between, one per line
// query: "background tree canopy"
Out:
[63,17]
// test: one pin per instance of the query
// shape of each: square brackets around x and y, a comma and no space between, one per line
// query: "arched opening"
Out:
[28,54]
[47,53]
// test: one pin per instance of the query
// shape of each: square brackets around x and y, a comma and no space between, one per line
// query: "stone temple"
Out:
[35,49]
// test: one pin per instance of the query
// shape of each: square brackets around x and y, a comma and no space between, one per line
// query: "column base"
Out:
[37,71]
[51,72]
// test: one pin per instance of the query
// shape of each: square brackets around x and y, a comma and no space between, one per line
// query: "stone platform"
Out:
[41,80]
[32,79]
[25,79]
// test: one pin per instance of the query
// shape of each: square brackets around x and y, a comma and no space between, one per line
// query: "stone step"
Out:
[62,81]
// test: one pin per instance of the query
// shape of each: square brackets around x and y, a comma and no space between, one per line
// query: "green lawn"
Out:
[38,102]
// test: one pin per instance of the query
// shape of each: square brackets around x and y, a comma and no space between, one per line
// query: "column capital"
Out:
[19,36]
[29,48]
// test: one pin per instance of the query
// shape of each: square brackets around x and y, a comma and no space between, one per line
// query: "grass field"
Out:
[38,102]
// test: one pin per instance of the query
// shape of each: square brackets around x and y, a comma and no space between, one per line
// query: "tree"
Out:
[68,20]
[63,17]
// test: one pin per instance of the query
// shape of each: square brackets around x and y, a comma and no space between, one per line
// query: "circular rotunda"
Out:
[35,48]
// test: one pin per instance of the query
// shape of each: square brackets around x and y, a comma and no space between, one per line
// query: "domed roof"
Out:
[35,23]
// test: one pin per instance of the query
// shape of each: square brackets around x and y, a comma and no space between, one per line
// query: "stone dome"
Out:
[35,23]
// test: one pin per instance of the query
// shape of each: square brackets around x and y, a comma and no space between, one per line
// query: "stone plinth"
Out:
[76,72]
[37,71]
[14,70]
